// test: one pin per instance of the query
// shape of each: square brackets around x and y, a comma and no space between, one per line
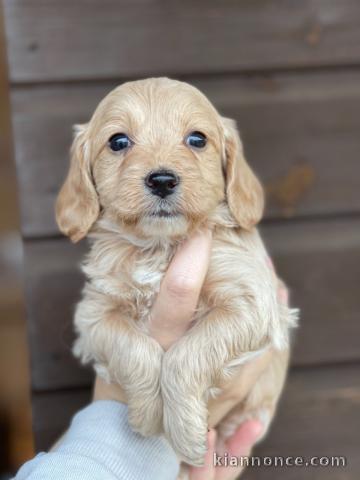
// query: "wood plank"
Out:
[52,286]
[49,40]
[301,134]
[52,413]
[317,416]
[319,260]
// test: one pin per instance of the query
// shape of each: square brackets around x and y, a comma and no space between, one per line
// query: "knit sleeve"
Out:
[101,445]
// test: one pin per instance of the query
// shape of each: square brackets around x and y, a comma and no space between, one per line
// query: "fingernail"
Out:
[257,428]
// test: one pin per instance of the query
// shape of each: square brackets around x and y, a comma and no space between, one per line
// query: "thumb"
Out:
[179,293]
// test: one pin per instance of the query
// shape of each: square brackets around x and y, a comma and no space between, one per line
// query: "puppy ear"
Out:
[244,192]
[77,205]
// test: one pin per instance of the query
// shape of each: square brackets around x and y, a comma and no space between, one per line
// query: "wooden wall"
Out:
[289,72]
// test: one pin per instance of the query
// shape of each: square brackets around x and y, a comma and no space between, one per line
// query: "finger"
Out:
[239,445]
[283,293]
[270,263]
[244,438]
[207,472]
[180,289]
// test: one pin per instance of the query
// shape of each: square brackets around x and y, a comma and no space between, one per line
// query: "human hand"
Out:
[239,445]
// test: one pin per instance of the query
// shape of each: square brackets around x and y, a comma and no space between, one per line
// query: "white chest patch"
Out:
[147,277]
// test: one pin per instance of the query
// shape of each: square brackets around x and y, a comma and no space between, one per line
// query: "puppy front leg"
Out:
[129,356]
[190,368]
[139,374]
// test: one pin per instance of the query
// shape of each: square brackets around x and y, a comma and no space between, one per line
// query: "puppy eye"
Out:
[119,141]
[196,139]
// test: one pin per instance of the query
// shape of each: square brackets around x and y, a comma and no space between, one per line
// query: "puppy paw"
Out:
[146,417]
[190,447]
[195,452]
[186,429]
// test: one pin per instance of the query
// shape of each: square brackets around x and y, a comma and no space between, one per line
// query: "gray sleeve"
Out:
[101,445]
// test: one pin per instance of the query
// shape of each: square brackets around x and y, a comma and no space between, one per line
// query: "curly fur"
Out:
[238,315]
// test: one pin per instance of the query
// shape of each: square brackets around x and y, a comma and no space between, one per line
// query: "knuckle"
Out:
[182,287]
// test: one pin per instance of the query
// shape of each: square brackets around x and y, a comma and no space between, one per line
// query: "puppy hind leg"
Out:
[260,404]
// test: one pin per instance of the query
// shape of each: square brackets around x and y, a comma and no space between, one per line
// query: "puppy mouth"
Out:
[163,209]
[164,214]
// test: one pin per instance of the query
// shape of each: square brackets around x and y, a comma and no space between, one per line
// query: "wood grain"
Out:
[49,40]
[301,134]
[318,260]
[317,416]
[269,65]
[53,284]
[52,412]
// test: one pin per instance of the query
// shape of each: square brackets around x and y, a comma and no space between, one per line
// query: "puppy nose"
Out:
[162,183]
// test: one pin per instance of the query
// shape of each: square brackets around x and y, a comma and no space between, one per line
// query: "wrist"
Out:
[108,391]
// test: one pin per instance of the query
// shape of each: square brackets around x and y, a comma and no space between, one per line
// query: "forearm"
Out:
[100,444]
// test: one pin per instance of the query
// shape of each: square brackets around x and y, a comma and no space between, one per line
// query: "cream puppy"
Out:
[155,164]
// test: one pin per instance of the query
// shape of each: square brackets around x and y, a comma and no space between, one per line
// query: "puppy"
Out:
[155,164]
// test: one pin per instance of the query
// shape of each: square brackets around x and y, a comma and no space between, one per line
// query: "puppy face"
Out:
[157,158]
